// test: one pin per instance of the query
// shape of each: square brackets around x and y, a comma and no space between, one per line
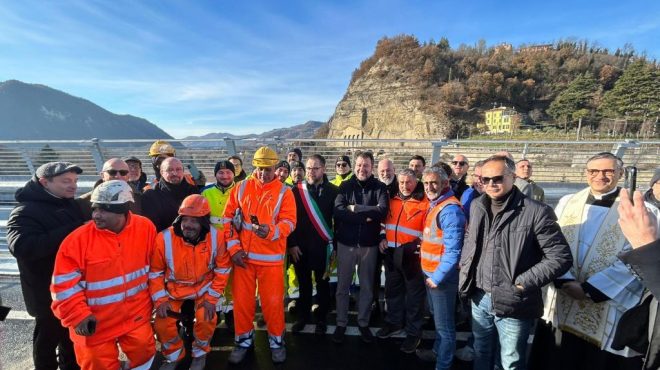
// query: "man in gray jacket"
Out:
[513,247]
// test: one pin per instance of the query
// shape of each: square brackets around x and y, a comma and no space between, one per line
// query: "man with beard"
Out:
[161,203]
[282,171]
[310,244]
[161,150]
[218,194]
[256,240]
[192,255]
[360,207]
[46,213]
[386,176]
[297,173]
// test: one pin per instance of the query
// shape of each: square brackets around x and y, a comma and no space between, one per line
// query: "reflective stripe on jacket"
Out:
[405,221]
[433,247]
[273,204]
[180,270]
[217,201]
[105,274]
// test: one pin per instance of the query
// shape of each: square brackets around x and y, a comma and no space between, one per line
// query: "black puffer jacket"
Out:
[161,204]
[529,250]
[35,229]
[371,201]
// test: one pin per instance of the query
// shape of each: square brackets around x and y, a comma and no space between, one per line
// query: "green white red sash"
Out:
[315,213]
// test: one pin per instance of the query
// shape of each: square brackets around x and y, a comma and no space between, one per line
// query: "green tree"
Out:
[635,93]
[576,100]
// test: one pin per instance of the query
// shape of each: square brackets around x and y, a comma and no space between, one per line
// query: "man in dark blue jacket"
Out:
[360,207]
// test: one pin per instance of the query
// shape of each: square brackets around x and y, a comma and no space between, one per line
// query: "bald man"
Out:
[161,203]
[459,166]
[113,169]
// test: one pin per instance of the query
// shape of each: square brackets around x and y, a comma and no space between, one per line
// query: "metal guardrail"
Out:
[553,161]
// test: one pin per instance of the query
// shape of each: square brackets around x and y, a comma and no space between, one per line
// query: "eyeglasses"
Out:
[495,179]
[310,169]
[459,163]
[606,172]
[342,164]
[115,172]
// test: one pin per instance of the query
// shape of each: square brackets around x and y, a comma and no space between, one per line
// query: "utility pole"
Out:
[577,137]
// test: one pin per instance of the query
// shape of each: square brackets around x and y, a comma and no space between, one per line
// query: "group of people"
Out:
[112,268]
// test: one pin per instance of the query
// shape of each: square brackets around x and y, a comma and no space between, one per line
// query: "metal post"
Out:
[28,161]
[437,149]
[97,154]
[525,149]
[231,145]
[620,150]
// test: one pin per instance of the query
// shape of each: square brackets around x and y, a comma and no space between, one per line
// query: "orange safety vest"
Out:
[273,204]
[405,221]
[182,271]
[105,274]
[432,246]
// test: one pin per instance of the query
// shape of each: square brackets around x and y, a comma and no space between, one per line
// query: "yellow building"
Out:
[502,120]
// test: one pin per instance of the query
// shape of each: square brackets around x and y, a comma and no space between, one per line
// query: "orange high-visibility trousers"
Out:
[168,333]
[271,294]
[138,345]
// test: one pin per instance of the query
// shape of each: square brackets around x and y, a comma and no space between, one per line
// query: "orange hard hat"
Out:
[194,205]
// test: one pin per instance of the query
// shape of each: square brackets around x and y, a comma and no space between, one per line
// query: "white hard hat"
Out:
[112,192]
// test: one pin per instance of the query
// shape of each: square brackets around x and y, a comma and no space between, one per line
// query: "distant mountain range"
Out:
[38,112]
[302,131]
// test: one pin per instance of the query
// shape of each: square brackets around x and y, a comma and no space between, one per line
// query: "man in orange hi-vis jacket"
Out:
[264,214]
[99,284]
[191,256]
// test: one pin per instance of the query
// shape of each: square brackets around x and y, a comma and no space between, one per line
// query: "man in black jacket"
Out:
[513,247]
[310,243]
[161,204]
[45,215]
[360,207]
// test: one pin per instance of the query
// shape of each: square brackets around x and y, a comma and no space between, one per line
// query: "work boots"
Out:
[278,354]
[167,365]
[238,354]
[198,363]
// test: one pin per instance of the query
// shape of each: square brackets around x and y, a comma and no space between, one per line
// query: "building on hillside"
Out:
[503,47]
[502,120]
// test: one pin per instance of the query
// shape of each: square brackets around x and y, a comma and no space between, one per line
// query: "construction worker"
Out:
[343,168]
[264,214]
[161,150]
[404,280]
[192,256]
[99,284]
[282,171]
[218,194]
[113,169]
[161,203]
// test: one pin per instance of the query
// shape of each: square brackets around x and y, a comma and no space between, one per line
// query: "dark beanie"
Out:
[297,151]
[284,164]
[344,158]
[223,165]
[655,178]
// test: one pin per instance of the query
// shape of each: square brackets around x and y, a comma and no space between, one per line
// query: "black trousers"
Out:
[51,345]
[405,291]
[304,271]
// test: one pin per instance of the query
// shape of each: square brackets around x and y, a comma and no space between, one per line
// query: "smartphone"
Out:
[254,220]
[630,182]
[91,327]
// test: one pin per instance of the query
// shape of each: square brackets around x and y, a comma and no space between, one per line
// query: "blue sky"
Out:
[194,67]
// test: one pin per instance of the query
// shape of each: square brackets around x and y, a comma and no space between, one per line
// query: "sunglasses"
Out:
[495,179]
[458,163]
[342,164]
[115,172]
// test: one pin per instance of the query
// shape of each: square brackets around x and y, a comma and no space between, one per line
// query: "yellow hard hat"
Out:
[161,147]
[265,157]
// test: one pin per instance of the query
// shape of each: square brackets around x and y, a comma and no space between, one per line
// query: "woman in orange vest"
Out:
[263,211]
[192,257]
[100,283]
[442,242]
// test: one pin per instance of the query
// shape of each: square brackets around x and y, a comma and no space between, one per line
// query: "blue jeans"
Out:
[512,334]
[442,301]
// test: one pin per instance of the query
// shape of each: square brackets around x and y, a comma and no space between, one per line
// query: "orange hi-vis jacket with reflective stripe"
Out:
[432,247]
[180,270]
[405,221]
[105,274]
[273,204]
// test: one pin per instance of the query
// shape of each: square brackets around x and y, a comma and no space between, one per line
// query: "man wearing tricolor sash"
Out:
[587,302]
[310,244]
